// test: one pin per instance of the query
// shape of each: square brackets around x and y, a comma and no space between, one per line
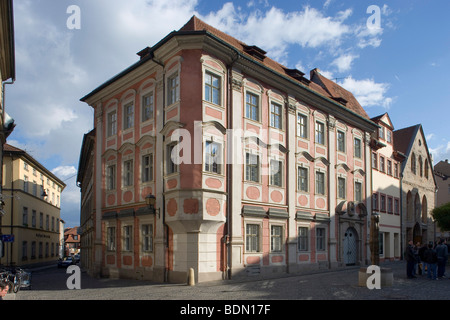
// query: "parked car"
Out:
[76,258]
[65,262]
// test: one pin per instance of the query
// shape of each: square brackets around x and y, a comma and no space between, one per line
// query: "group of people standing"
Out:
[431,257]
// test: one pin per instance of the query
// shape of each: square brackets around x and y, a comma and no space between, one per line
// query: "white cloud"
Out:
[430,136]
[64,172]
[344,62]
[440,152]
[368,92]
[273,30]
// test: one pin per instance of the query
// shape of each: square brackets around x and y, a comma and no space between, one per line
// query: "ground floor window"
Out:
[252,238]
[320,239]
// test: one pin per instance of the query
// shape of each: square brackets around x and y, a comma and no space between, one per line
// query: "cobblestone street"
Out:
[50,284]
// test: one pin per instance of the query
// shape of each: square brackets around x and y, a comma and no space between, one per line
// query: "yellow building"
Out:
[30,225]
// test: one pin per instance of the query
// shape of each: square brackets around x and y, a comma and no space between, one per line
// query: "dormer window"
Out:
[256,52]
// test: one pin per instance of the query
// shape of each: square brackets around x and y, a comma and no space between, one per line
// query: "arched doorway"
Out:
[350,247]
[417,233]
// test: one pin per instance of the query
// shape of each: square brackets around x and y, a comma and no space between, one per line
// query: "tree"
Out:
[442,216]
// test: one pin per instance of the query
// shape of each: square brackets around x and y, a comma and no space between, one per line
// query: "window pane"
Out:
[341,141]
[213,157]
[357,148]
[302,127]
[252,167]
[251,107]
[320,183]
[147,107]
[275,115]
[320,239]
[302,238]
[320,133]
[302,179]
[276,238]
[275,172]
[252,238]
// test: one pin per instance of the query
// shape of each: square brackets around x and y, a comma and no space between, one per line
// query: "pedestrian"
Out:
[416,259]
[442,255]
[430,256]
[4,287]
[410,260]
[422,262]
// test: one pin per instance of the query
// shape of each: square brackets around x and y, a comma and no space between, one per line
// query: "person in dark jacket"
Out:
[442,255]
[430,257]
[410,260]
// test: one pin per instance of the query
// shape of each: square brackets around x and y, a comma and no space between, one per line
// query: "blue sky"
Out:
[400,68]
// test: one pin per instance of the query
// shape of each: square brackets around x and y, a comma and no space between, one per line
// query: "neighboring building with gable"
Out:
[386,162]
[417,187]
[276,174]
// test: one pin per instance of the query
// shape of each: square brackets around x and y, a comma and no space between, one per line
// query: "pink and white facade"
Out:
[255,169]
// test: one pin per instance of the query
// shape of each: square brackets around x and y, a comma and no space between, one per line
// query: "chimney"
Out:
[311,73]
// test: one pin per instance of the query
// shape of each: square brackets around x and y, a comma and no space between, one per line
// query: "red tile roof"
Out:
[403,138]
[335,91]
[319,83]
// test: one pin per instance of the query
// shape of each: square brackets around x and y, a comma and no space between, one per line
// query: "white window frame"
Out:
[216,159]
[111,238]
[147,237]
[300,125]
[128,117]
[147,169]
[324,242]
[127,237]
[111,181]
[340,137]
[274,115]
[277,241]
[112,123]
[211,88]
[320,133]
[303,239]
[258,166]
[279,172]
[258,106]
[341,190]
[317,191]
[299,184]
[151,106]
[173,90]
[256,238]
[128,173]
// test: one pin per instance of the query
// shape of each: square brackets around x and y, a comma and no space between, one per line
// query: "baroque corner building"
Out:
[275,172]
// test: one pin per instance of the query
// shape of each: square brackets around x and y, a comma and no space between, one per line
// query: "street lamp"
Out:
[150,200]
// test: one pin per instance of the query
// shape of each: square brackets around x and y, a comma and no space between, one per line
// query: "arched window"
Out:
[409,207]
[420,166]
[424,209]
[426,168]
[413,163]
[417,207]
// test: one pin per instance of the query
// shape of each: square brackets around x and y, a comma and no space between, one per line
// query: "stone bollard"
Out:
[191,277]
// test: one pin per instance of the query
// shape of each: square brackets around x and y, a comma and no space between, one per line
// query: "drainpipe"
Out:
[401,216]
[227,237]
[166,229]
